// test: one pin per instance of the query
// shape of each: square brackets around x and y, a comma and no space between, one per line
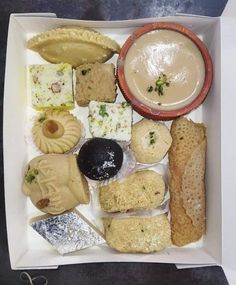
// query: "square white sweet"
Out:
[110,121]
[51,86]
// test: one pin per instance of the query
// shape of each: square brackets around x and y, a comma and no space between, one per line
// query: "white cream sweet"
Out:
[164,53]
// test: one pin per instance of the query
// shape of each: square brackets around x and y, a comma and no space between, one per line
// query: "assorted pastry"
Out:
[55,184]
[143,189]
[59,180]
[56,131]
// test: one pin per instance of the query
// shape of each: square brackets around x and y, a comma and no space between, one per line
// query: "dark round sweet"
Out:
[100,158]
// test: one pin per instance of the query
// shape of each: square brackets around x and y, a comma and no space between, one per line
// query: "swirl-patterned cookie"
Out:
[56,131]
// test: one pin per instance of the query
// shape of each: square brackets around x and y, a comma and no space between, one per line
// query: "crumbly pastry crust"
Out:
[187,188]
[65,138]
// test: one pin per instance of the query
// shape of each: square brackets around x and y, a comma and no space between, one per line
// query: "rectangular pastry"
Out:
[110,121]
[187,188]
[138,234]
[51,86]
[140,190]
[95,82]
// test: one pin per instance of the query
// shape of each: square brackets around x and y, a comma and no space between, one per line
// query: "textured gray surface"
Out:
[108,273]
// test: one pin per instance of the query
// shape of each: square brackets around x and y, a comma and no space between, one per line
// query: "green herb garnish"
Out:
[125,104]
[161,82]
[102,111]
[31,175]
[85,71]
[40,120]
[152,138]
[150,89]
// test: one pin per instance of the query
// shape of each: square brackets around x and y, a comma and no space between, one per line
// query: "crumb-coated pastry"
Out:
[54,183]
[51,86]
[187,187]
[95,82]
[100,159]
[150,141]
[141,190]
[75,45]
[56,131]
[138,234]
[110,120]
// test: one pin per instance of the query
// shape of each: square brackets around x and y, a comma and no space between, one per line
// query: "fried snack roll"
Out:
[187,188]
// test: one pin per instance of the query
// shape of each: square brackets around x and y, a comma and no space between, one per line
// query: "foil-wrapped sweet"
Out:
[68,232]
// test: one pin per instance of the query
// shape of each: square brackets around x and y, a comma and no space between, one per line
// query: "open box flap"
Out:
[228,137]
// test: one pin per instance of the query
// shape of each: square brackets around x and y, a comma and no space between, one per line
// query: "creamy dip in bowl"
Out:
[164,70]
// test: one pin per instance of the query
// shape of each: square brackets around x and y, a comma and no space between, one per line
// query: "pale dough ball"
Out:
[150,141]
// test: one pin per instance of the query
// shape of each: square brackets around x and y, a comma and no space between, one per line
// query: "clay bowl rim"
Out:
[147,111]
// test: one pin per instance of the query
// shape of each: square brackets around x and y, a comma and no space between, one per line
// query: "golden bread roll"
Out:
[187,188]
[138,234]
[141,190]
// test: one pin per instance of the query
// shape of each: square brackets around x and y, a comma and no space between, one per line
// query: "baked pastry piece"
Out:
[74,45]
[150,141]
[141,190]
[187,189]
[54,183]
[56,131]
[138,234]
[50,86]
[95,82]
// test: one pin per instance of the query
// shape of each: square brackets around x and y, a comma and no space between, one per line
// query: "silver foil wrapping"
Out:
[68,232]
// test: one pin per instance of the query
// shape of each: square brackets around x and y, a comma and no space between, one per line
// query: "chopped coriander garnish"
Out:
[102,111]
[152,138]
[85,71]
[31,175]
[150,89]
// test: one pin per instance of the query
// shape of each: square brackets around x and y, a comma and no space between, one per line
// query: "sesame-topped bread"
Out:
[187,188]
[141,190]
[138,234]
[95,82]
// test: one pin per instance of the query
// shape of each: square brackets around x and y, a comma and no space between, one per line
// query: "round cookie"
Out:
[56,131]
[55,184]
[150,141]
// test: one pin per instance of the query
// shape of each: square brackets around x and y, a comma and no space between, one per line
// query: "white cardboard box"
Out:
[218,113]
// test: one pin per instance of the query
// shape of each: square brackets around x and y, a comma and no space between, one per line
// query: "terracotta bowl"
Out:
[147,111]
